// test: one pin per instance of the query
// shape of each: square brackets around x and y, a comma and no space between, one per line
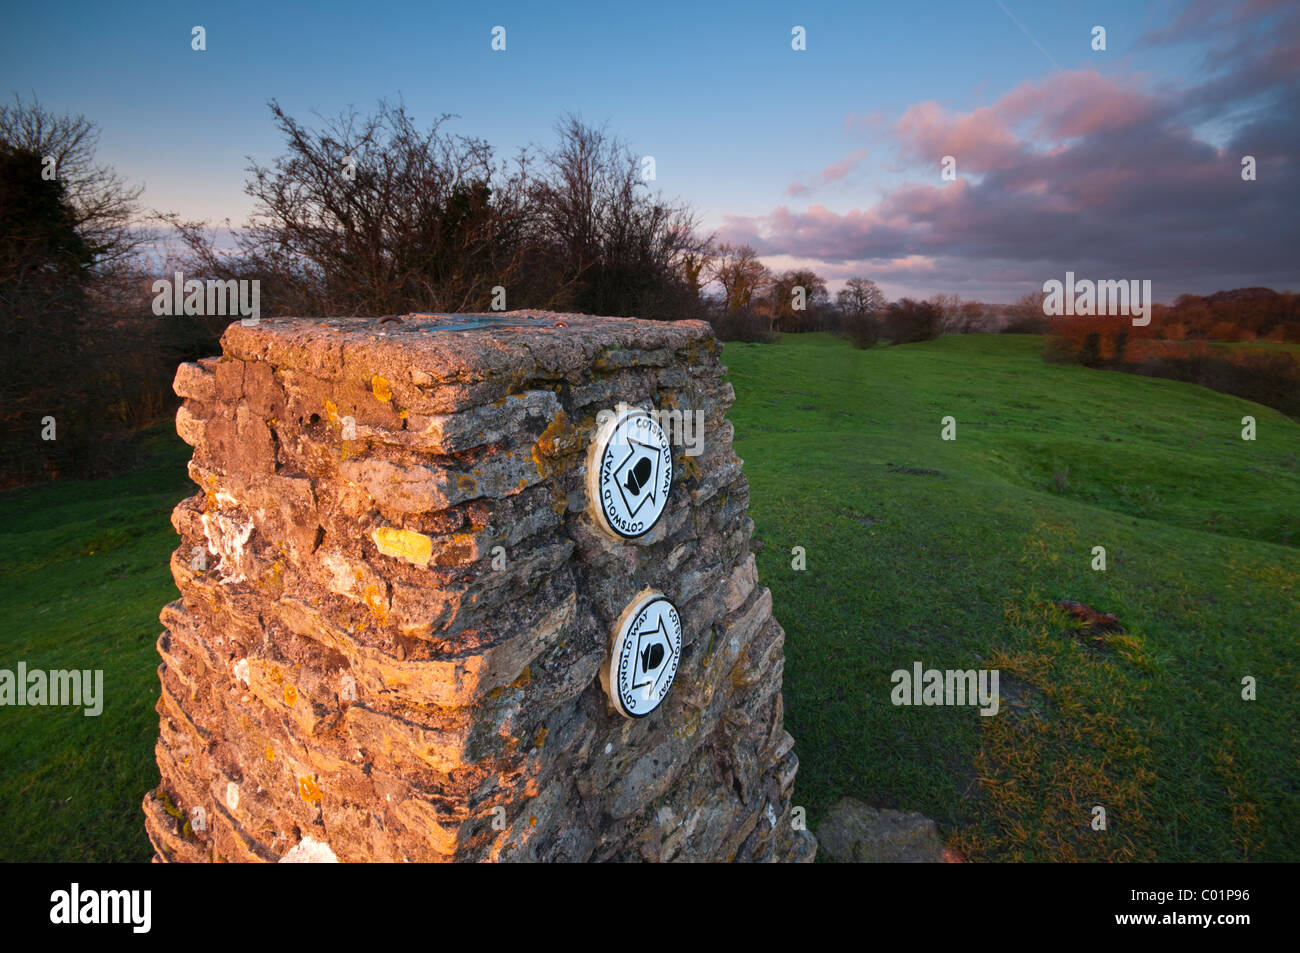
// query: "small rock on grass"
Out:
[856,832]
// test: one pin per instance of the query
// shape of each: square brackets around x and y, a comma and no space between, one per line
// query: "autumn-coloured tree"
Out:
[798,301]
[741,275]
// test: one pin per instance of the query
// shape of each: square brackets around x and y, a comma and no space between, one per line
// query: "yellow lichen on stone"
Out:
[460,549]
[559,436]
[375,603]
[557,440]
[168,805]
[290,695]
[210,492]
[332,411]
[381,388]
[689,726]
[273,578]
[415,548]
[309,790]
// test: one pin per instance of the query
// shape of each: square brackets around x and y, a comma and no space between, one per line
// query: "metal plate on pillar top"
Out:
[643,661]
[629,474]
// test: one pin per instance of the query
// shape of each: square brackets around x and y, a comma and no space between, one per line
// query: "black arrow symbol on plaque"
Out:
[651,656]
[637,476]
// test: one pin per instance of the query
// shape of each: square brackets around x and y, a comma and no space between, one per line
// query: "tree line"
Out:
[361,214]
[373,214]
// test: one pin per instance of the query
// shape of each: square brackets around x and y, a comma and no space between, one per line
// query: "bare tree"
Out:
[1027,315]
[103,208]
[372,214]
[860,296]
[971,318]
[619,249]
[948,308]
[66,228]
[861,304]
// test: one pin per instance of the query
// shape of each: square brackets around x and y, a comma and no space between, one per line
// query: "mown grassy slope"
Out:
[952,552]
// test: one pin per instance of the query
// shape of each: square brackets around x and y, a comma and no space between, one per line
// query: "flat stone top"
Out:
[461,348]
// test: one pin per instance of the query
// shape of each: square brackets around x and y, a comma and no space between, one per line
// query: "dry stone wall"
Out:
[397,604]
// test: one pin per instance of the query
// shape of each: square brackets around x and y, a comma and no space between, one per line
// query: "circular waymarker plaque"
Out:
[629,474]
[643,662]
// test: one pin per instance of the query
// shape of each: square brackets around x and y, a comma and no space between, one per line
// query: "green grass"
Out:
[83,575]
[956,569]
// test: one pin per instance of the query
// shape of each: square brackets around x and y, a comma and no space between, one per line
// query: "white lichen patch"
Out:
[232,795]
[310,851]
[241,671]
[336,565]
[694,819]
[227,538]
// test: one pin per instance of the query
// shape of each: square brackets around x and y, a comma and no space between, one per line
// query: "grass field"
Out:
[957,566]
[918,549]
[83,575]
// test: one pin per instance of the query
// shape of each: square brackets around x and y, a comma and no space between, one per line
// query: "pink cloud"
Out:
[1064,106]
[1068,105]
[979,141]
[838,170]
[832,173]
[1081,171]
[868,121]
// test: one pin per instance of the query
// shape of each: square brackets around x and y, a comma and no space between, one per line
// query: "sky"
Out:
[1117,163]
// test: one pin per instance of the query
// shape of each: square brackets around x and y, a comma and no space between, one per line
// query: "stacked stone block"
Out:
[395,604]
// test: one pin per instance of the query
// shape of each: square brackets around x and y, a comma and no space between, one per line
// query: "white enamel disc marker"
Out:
[643,660]
[629,474]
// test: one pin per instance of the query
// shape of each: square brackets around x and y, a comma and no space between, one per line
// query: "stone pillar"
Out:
[399,605]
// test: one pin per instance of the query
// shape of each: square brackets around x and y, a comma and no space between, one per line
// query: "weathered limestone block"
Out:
[398,605]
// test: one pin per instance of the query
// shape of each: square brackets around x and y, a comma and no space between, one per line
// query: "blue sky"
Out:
[733,116]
